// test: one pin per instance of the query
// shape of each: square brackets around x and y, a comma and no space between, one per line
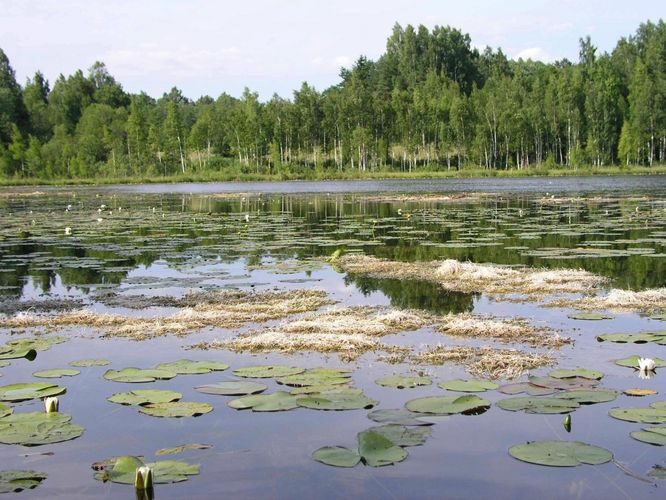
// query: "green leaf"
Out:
[316,389]
[56,373]
[400,435]
[267,371]
[335,401]
[19,480]
[188,367]
[123,470]
[563,383]
[540,405]
[625,338]
[176,409]
[398,416]
[632,362]
[34,390]
[138,375]
[37,428]
[17,353]
[5,410]
[89,362]
[656,414]
[145,396]
[588,396]
[400,382]
[448,405]
[36,343]
[180,449]
[468,385]
[378,451]
[651,435]
[527,388]
[560,453]
[590,316]
[277,401]
[316,376]
[577,372]
[337,456]
[232,388]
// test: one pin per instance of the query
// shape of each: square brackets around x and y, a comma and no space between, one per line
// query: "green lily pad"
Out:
[86,363]
[632,362]
[656,414]
[267,371]
[651,435]
[145,396]
[316,389]
[398,416]
[123,470]
[17,353]
[590,316]
[378,451]
[335,401]
[180,449]
[560,453]
[37,428]
[626,338]
[448,405]
[577,372]
[400,435]
[232,388]
[188,367]
[563,383]
[36,343]
[540,405]
[527,388]
[277,401]
[399,382]
[56,373]
[459,385]
[13,481]
[176,409]
[588,396]
[316,376]
[5,410]
[337,456]
[34,390]
[138,375]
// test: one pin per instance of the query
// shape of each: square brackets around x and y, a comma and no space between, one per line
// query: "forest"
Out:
[430,103]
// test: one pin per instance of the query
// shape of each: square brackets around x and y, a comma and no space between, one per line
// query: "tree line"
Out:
[430,102]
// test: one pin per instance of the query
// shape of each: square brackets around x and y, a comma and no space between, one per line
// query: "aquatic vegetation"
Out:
[189,367]
[576,372]
[51,404]
[267,371]
[374,450]
[644,301]
[27,391]
[539,405]
[400,416]
[459,385]
[123,470]
[38,428]
[175,409]
[138,375]
[448,405]
[242,388]
[651,435]
[511,330]
[336,400]
[145,396]
[655,414]
[56,373]
[402,382]
[277,401]
[634,361]
[639,392]
[86,363]
[13,481]
[589,316]
[560,453]
[485,361]
[5,410]
[183,447]
[646,365]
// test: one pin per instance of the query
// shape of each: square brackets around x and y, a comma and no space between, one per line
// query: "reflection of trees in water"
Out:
[413,294]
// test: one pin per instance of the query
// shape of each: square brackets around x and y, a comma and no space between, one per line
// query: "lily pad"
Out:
[460,385]
[655,414]
[232,388]
[34,390]
[86,363]
[399,382]
[37,428]
[378,451]
[4,364]
[527,388]
[138,375]
[56,373]
[267,371]
[316,376]
[19,480]
[335,401]
[188,367]
[632,362]
[400,435]
[124,468]
[590,316]
[560,453]
[588,396]
[277,401]
[176,409]
[638,392]
[398,416]
[5,410]
[626,338]
[539,405]
[563,383]
[36,343]
[145,396]
[577,372]
[651,435]
[17,353]
[180,449]
[448,405]
[337,456]
[315,389]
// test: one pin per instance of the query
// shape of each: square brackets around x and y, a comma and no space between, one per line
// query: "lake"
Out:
[352,275]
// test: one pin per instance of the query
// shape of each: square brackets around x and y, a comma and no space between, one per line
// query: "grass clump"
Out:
[646,301]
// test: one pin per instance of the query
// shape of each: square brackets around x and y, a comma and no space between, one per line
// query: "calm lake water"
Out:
[166,240]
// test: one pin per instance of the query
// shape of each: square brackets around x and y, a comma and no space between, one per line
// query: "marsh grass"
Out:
[469,277]
[646,301]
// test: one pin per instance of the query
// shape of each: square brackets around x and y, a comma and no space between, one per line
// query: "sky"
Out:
[207,47]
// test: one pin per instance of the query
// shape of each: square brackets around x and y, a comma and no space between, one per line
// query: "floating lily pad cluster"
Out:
[632,362]
[654,414]
[123,470]
[658,337]
[164,371]
[37,428]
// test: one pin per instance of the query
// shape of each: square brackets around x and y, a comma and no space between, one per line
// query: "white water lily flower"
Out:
[646,364]
[143,480]
[644,375]
[68,231]
[247,217]
[51,405]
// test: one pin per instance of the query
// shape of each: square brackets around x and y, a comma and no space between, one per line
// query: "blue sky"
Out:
[210,47]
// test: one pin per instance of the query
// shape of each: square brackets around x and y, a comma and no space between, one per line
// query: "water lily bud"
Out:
[567,423]
[143,479]
[51,405]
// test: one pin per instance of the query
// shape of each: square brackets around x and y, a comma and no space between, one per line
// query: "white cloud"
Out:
[331,63]
[534,53]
